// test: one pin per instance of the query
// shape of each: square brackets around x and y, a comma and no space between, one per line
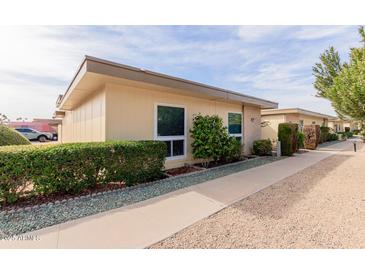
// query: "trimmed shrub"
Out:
[71,168]
[332,137]
[346,134]
[301,140]
[262,147]
[9,136]
[349,134]
[324,136]
[312,135]
[232,150]
[15,171]
[212,141]
[288,136]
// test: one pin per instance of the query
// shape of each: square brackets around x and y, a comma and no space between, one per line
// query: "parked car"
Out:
[54,136]
[32,134]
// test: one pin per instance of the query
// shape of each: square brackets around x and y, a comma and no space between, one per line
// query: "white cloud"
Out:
[319,32]
[42,60]
[289,84]
[281,69]
[37,63]
[255,33]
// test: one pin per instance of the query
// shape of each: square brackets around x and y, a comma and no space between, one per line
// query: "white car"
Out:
[32,134]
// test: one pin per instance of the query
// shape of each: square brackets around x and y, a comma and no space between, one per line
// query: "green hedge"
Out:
[325,134]
[332,137]
[301,138]
[288,136]
[346,134]
[262,147]
[71,168]
[9,136]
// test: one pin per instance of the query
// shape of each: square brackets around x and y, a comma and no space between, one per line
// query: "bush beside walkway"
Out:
[9,136]
[71,168]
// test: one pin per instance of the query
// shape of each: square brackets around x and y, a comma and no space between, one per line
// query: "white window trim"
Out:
[235,134]
[301,125]
[171,138]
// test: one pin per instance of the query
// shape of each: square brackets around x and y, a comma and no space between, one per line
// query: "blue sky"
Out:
[272,62]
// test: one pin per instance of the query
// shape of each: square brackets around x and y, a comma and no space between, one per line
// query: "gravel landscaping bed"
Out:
[28,219]
[322,206]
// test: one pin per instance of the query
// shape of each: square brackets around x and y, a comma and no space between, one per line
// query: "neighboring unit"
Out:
[271,118]
[340,125]
[110,101]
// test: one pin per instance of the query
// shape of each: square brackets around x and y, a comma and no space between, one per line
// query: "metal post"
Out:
[355,146]
[278,149]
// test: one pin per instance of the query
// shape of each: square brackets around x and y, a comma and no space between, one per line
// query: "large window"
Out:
[235,125]
[170,128]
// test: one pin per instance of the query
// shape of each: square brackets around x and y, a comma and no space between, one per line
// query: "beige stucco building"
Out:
[336,124]
[110,101]
[340,125]
[271,118]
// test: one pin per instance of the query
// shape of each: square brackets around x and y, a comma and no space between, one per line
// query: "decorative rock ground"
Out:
[29,219]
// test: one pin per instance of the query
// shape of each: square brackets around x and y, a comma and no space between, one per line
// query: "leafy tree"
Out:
[343,83]
[3,119]
[326,71]
[212,141]
[22,119]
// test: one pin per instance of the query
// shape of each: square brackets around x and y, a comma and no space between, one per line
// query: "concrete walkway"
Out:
[147,222]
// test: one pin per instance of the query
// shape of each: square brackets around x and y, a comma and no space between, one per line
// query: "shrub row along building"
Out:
[110,101]
[271,118]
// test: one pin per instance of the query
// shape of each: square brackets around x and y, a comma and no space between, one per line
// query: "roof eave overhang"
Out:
[110,69]
[76,79]
[58,114]
[296,111]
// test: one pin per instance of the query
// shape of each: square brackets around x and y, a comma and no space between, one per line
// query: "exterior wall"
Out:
[59,130]
[355,125]
[130,115]
[293,118]
[340,127]
[337,126]
[86,123]
[331,125]
[325,122]
[271,130]
[347,124]
[251,127]
[308,120]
